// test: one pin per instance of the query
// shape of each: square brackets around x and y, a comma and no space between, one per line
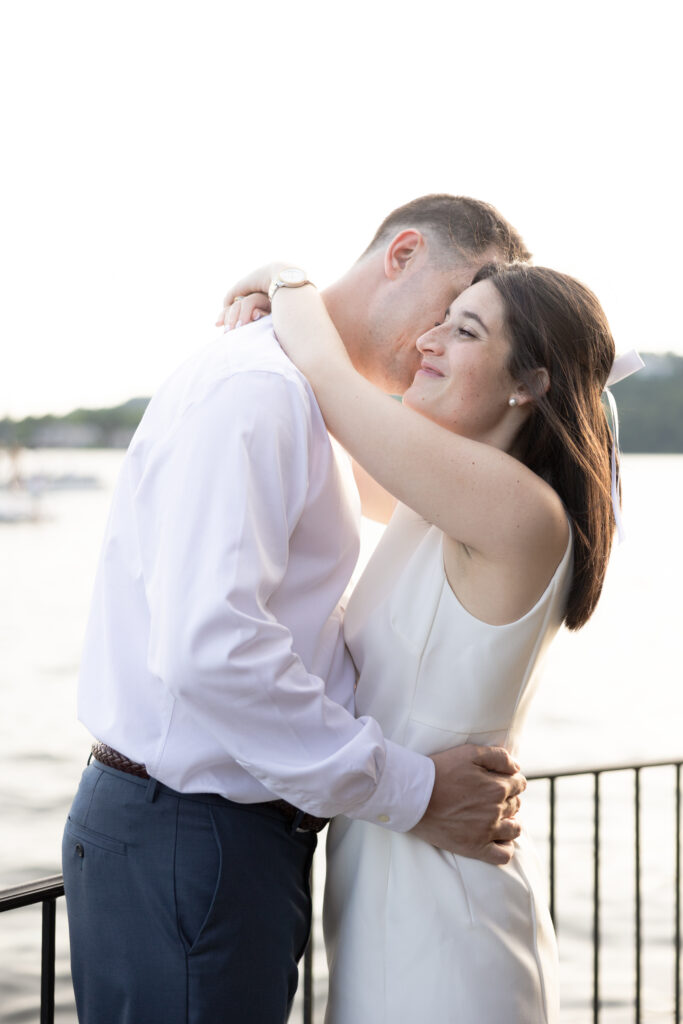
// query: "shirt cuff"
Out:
[401,796]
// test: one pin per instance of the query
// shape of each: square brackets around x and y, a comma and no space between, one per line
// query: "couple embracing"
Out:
[235,713]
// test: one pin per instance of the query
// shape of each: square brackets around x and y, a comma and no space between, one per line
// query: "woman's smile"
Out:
[429,371]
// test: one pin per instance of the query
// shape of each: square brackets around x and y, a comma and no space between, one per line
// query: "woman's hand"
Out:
[243,309]
[248,299]
[302,324]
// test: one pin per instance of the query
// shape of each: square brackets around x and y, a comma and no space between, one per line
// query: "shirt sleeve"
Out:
[225,492]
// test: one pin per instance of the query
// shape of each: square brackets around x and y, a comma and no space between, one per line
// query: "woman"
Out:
[500,459]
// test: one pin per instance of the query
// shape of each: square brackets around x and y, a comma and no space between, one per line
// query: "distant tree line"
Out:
[650,406]
[650,416]
[82,428]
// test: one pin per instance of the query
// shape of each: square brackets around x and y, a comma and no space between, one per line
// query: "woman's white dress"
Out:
[415,934]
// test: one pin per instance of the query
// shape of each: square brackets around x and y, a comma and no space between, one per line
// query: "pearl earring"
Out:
[512,401]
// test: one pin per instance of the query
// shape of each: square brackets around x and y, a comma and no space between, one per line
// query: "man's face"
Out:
[407,311]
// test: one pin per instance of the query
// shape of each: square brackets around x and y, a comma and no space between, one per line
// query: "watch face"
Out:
[292,275]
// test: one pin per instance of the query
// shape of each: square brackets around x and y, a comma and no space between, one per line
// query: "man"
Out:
[215,676]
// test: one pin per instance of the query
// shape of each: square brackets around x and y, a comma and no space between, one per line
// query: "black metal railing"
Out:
[47,890]
[597,774]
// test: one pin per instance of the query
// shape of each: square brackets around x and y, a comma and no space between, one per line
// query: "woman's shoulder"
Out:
[550,514]
[502,587]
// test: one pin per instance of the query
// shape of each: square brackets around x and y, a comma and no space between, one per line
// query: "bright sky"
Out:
[153,151]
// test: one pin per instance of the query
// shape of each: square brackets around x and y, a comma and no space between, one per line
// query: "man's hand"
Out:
[475,797]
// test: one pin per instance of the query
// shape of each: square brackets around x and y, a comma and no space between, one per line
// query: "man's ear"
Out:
[404,252]
[538,384]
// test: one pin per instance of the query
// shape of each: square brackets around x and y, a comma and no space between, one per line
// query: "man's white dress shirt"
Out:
[214,652]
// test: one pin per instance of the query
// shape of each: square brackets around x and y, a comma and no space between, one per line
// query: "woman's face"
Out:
[463,383]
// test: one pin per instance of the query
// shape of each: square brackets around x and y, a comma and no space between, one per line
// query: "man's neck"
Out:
[347,301]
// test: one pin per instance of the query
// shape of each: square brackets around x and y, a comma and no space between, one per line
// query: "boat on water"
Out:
[18,505]
[39,483]
[21,493]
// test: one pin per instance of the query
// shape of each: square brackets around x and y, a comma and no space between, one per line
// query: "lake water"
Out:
[612,693]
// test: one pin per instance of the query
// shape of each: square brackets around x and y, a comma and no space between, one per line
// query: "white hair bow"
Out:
[624,366]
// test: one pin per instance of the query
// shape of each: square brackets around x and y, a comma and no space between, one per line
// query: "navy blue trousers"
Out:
[183,908]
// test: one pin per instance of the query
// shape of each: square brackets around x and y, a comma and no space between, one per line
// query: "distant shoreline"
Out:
[650,417]
[83,428]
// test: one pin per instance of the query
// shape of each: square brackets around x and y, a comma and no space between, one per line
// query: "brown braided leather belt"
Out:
[299,819]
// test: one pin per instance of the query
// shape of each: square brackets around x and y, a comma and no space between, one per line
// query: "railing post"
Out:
[638,936]
[551,852]
[47,974]
[677,901]
[596,898]
[308,964]
[308,982]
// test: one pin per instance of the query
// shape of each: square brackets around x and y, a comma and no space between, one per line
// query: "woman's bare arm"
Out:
[477,494]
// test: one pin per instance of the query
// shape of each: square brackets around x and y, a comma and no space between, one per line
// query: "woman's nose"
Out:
[431,341]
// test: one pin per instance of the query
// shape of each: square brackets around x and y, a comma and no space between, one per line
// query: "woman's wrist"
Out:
[306,333]
[307,288]
[287,277]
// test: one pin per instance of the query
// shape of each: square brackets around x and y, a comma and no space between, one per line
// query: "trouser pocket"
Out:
[197,869]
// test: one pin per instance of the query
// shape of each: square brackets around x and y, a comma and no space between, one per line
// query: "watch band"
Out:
[289,277]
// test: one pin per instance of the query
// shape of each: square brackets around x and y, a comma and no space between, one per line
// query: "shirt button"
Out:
[79,850]
[384,818]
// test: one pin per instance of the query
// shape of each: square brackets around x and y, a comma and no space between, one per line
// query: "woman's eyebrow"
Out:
[473,316]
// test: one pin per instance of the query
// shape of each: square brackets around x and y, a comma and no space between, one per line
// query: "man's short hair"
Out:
[458,224]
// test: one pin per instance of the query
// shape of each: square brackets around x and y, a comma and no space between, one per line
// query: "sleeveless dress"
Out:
[414,933]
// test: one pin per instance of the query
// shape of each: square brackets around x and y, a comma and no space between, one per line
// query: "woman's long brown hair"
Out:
[555,322]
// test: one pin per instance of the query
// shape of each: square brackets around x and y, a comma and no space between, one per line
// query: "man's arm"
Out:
[227,490]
